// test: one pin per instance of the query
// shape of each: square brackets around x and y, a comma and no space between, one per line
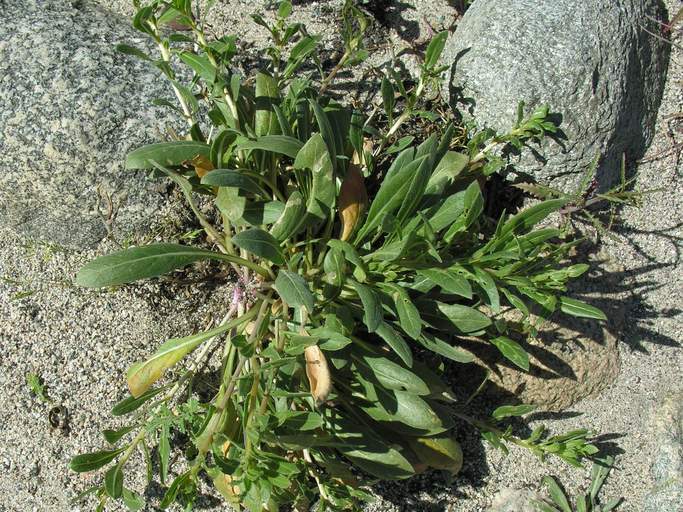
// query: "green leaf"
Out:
[292,217]
[515,301]
[352,256]
[436,46]
[139,263]
[200,65]
[408,314]
[526,219]
[450,166]
[301,50]
[389,196]
[416,183]
[114,436]
[267,93]
[142,375]
[489,286]
[448,280]
[131,403]
[164,449]
[293,289]
[113,482]
[513,351]
[505,411]
[369,452]
[326,131]
[280,144]
[388,98]
[406,412]
[92,461]
[169,154]
[299,420]
[257,213]
[372,306]
[557,494]
[175,487]
[315,157]
[231,203]
[396,342]
[132,500]
[260,243]
[395,376]
[131,50]
[444,349]
[232,178]
[465,318]
[581,309]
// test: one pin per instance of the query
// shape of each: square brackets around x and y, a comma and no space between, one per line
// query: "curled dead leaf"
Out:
[353,198]
[202,165]
[318,373]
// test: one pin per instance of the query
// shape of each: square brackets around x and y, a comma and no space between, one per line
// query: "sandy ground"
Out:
[81,344]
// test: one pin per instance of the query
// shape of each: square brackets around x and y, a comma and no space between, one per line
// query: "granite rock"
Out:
[667,468]
[515,500]
[596,63]
[72,106]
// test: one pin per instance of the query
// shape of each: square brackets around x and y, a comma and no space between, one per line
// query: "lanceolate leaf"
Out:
[465,318]
[406,412]
[372,306]
[449,281]
[389,197]
[294,290]
[169,154]
[369,452]
[291,219]
[396,342]
[200,65]
[113,482]
[141,376]
[267,92]
[408,314]
[280,144]
[395,376]
[506,411]
[140,263]
[315,158]
[444,349]
[92,461]
[436,46]
[578,308]
[231,178]
[131,403]
[512,351]
[260,243]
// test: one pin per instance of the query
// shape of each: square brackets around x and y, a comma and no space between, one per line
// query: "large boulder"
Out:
[600,64]
[72,106]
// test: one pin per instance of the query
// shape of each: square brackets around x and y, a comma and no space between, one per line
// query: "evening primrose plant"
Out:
[361,261]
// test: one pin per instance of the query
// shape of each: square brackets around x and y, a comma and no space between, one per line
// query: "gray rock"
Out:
[667,468]
[515,500]
[593,62]
[71,108]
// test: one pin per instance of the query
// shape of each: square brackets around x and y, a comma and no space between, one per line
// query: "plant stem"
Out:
[328,79]
[166,57]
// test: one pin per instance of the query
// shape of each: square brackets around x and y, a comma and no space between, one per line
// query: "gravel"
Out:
[81,343]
